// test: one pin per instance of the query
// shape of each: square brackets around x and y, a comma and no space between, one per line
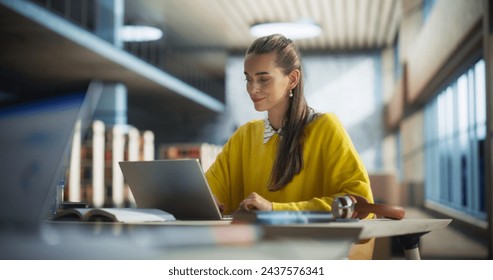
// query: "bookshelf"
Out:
[31,70]
[94,176]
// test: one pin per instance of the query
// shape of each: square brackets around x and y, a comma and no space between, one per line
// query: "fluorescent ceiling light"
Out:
[140,33]
[302,29]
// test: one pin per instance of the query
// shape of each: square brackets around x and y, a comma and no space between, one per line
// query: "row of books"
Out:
[94,176]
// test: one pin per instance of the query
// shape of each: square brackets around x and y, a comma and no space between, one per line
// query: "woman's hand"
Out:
[255,202]
[219,204]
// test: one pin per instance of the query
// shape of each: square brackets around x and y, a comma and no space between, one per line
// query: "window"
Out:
[455,132]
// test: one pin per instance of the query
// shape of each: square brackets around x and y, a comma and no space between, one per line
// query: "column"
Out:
[112,106]
[109,19]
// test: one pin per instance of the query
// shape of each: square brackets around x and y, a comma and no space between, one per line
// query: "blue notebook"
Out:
[285,217]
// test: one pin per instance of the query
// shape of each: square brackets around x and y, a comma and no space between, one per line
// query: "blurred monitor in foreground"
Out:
[35,139]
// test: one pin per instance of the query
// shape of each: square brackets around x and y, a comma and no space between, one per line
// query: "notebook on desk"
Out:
[35,142]
[178,187]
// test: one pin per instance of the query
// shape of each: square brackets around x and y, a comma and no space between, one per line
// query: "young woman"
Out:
[296,159]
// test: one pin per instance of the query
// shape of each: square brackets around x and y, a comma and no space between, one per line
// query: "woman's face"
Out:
[266,83]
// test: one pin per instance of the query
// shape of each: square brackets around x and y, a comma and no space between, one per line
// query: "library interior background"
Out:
[411,81]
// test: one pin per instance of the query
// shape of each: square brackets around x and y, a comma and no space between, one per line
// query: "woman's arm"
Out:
[338,168]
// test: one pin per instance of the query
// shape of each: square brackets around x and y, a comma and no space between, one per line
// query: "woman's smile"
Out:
[257,99]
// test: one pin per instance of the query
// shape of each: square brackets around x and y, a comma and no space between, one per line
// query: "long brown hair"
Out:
[289,158]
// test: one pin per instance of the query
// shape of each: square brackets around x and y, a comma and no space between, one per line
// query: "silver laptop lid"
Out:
[178,187]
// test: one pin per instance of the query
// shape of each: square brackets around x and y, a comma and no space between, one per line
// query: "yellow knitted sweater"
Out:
[331,168]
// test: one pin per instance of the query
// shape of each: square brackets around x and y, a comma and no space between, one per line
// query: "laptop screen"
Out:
[34,147]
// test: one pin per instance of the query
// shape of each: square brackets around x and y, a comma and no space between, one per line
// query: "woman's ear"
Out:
[294,78]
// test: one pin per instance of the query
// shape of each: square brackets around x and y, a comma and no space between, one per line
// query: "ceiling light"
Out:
[140,33]
[295,30]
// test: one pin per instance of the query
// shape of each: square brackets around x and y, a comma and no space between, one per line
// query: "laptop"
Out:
[35,141]
[178,187]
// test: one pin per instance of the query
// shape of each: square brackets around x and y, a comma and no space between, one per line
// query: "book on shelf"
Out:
[205,152]
[122,215]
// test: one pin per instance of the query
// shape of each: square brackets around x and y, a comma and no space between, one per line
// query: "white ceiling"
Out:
[346,24]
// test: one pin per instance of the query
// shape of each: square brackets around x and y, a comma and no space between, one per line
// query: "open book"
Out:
[123,215]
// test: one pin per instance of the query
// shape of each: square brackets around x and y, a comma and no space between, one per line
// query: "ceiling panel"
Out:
[346,24]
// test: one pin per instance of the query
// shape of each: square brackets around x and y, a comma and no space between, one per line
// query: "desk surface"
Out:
[200,239]
[376,228]
[362,229]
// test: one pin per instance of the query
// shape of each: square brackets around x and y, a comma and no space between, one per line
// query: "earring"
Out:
[291,93]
